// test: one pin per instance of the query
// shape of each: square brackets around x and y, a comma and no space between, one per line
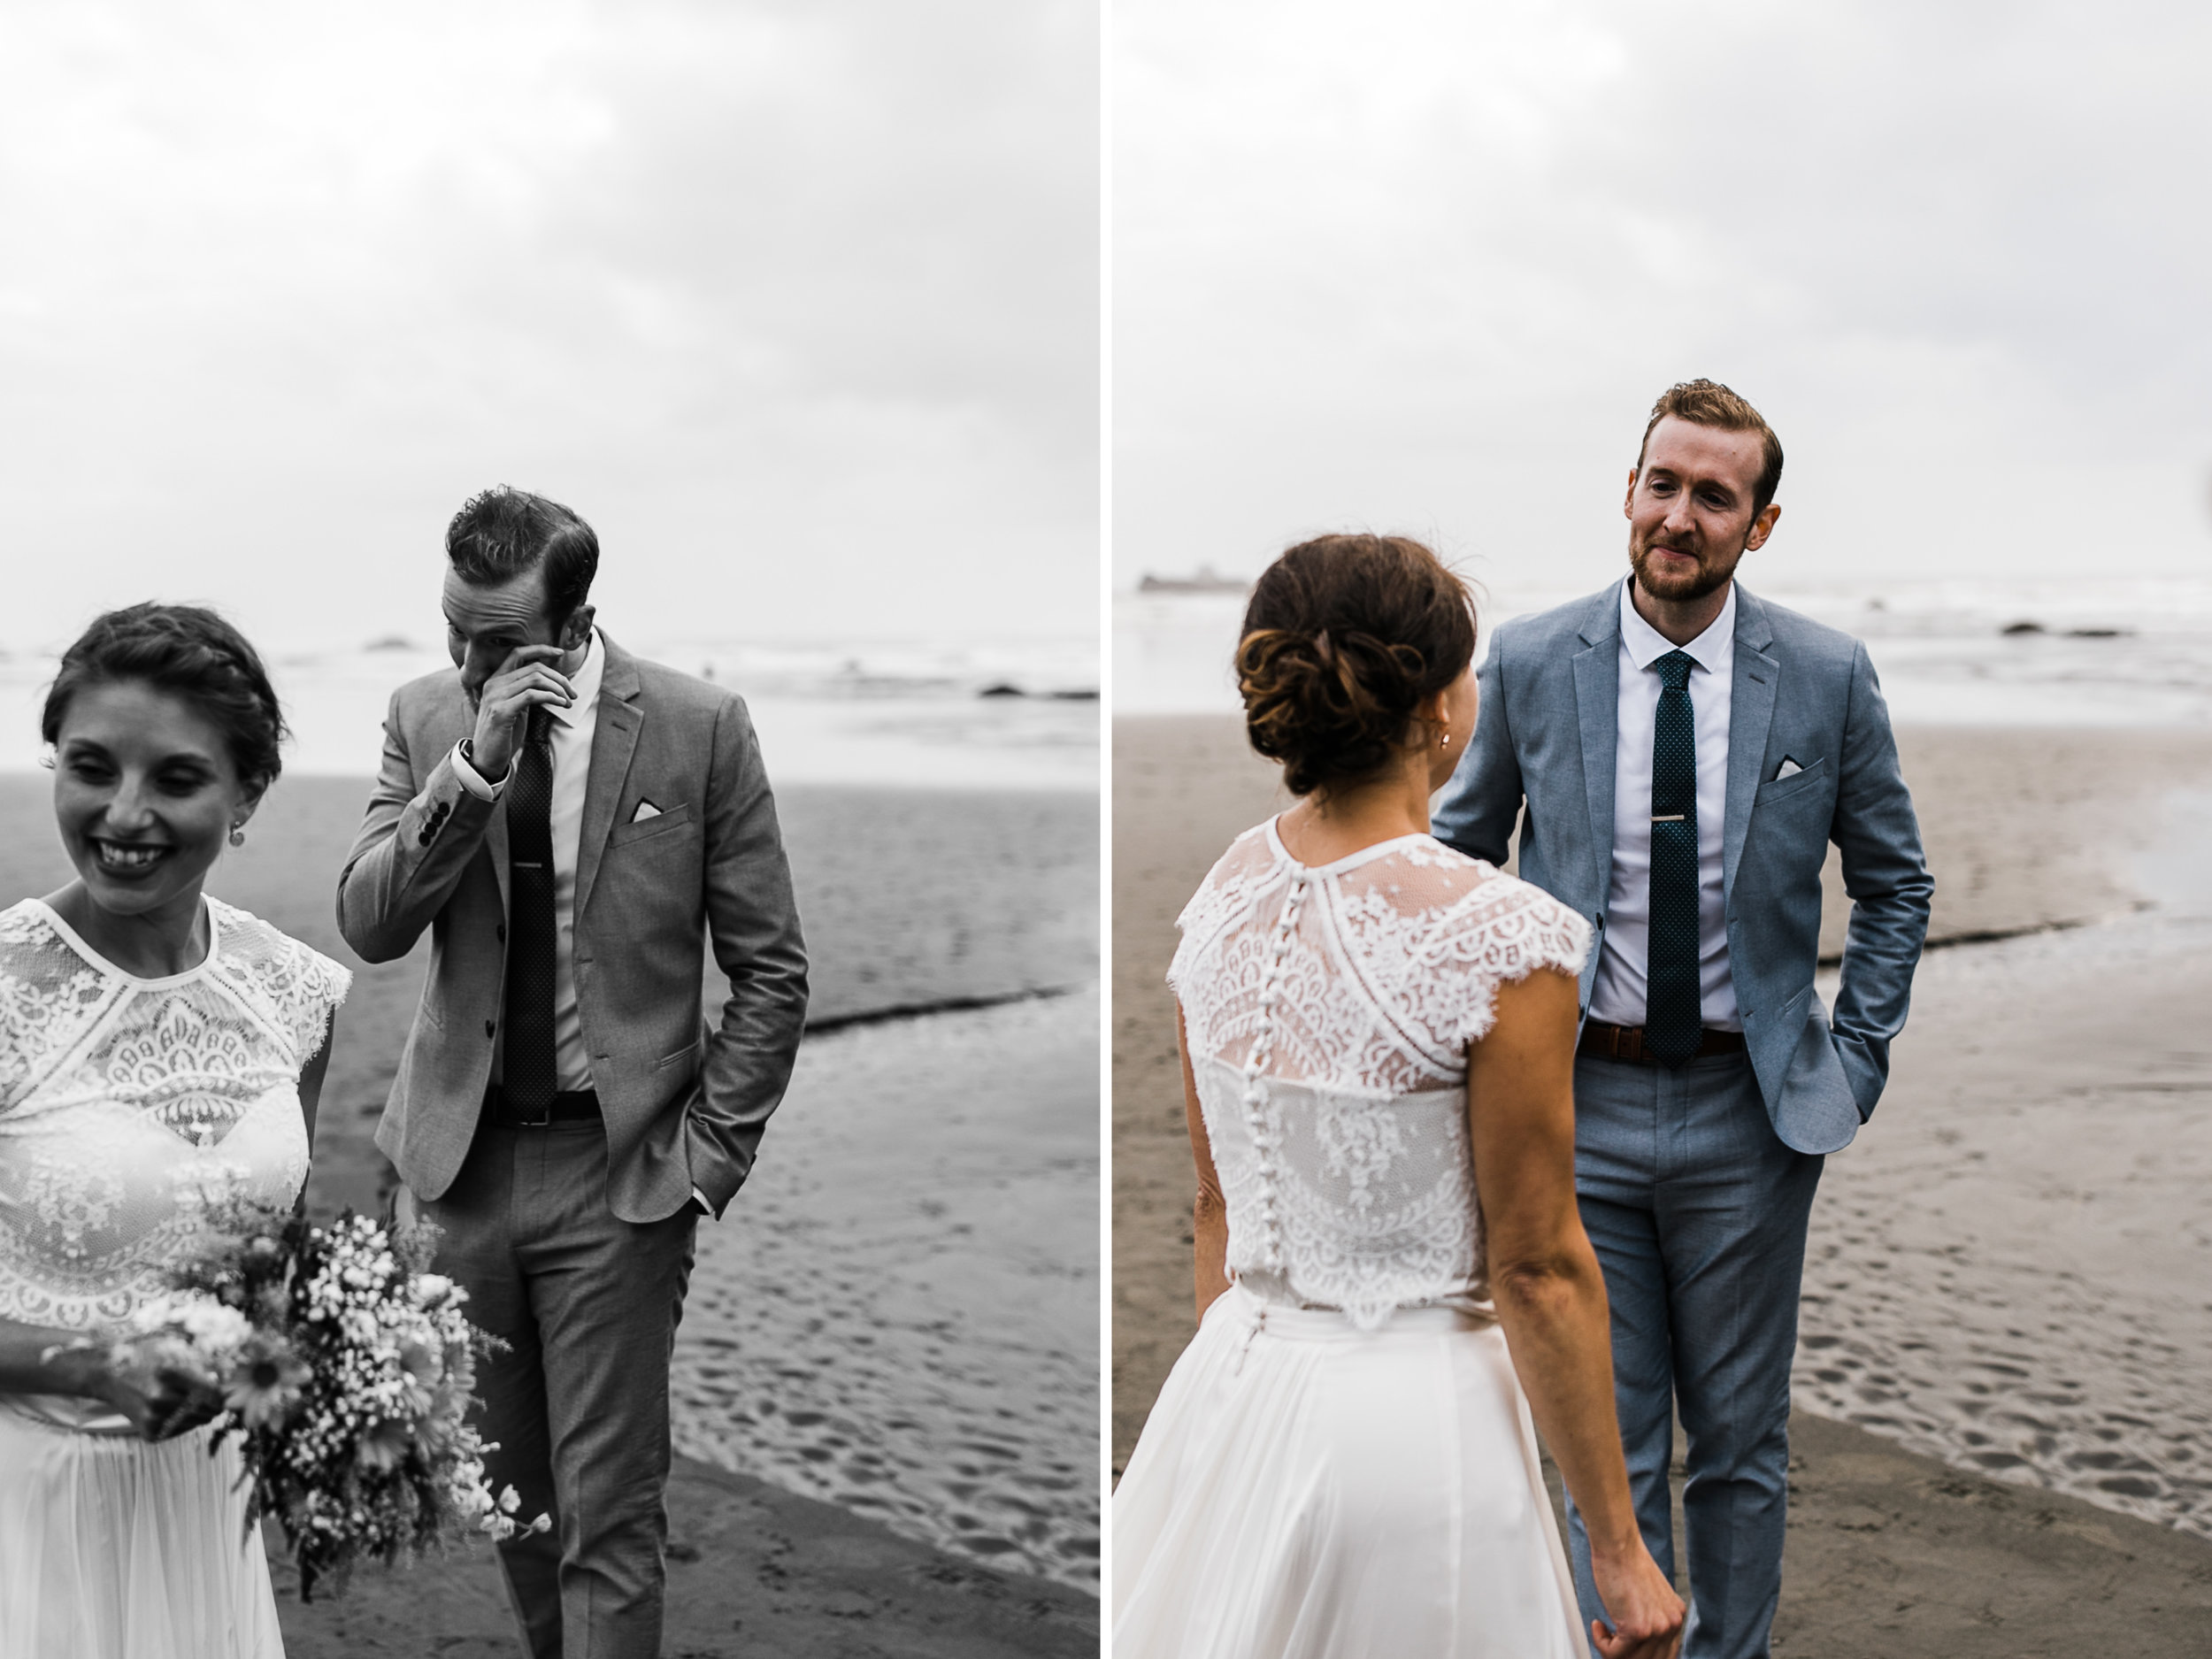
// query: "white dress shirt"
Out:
[1618,994]
[570,731]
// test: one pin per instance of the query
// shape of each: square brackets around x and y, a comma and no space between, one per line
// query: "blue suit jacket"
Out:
[1545,735]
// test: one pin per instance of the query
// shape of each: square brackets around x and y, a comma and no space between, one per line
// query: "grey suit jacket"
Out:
[684,1102]
[1545,735]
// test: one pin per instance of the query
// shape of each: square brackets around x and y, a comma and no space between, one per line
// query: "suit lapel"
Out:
[1750,715]
[614,740]
[1597,671]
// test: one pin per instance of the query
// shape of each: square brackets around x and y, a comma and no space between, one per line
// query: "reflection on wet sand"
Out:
[900,1314]
[2011,1268]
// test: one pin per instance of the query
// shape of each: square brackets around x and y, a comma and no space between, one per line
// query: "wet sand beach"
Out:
[753,1571]
[899,1314]
[2008,1279]
[2011,1268]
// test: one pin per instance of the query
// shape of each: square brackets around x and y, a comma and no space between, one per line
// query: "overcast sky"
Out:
[1425,266]
[794,299]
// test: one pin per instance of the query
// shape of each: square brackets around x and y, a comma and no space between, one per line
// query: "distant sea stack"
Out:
[1208,580]
[1078,693]
[2016,629]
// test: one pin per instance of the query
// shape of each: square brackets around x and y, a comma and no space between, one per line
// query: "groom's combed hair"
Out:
[499,534]
[1343,638]
[1709,403]
[194,655]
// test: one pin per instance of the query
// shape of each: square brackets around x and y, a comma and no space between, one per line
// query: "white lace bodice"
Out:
[1328,1011]
[127,1104]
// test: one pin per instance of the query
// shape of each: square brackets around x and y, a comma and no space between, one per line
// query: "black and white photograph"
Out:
[550,1003]
[1662,734]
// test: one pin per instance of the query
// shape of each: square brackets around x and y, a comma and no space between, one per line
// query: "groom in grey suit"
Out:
[1678,756]
[575,827]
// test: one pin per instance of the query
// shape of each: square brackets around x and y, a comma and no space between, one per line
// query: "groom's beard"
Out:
[1678,586]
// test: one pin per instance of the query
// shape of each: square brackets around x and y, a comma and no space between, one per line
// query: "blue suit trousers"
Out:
[1698,1213]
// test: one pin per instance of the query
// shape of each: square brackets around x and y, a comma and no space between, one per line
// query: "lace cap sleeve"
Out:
[48,996]
[1221,897]
[322,985]
[1501,929]
[300,985]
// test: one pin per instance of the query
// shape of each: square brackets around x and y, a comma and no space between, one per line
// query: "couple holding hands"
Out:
[1474,1150]
[573,827]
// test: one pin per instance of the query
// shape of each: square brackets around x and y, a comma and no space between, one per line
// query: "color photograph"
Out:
[1806,408]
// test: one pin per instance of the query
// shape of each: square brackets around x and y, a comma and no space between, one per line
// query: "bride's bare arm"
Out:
[311,1076]
[1210,1215]
[37,1359]
[1550,1293]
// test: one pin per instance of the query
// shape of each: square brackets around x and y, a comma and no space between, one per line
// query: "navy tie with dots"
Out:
[528,1073]
[1672,1026]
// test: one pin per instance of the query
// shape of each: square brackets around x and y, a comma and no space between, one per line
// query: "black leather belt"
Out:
[570,1106]
[1626,1043]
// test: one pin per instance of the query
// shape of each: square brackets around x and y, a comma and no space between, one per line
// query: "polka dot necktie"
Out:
[1672,1026]
[527,1071]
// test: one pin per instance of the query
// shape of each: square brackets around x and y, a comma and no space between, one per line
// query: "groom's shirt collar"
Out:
[593,670]
[1713,651]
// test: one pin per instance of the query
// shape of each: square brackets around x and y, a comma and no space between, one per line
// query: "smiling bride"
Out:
[160,1051]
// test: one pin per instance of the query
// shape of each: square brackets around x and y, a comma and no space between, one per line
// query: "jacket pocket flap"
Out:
[689,1051]
[1775,788]
[659,823]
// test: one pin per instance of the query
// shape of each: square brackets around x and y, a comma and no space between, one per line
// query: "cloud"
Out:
[796,303]
[1428,267]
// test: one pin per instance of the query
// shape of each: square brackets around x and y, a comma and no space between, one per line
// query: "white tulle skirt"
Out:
[1307,1490]
[113,1548]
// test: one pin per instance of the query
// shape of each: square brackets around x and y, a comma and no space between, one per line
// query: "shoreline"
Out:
[2051,838]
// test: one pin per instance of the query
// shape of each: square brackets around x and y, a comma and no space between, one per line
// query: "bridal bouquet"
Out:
[344,1367]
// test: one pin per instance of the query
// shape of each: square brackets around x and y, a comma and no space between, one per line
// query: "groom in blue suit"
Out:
[1678,754]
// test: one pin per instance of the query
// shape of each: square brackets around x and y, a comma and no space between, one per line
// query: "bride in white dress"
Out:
[1378,1037]
[158,1050]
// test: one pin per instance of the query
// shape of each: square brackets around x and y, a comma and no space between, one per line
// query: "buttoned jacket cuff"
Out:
[474,780]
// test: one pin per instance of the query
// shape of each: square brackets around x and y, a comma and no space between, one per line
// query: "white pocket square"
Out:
[645,810]
[1787,769]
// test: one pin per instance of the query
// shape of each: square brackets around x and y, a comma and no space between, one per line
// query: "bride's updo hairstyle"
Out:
[191,653]
[1343,638]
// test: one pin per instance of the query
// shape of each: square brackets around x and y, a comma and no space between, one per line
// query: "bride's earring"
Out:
[238,834]
[1444,739]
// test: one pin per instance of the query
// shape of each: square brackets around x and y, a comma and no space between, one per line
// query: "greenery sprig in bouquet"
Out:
[345,1367]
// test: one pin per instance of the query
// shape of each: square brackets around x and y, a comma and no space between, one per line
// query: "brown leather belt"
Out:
[1626,1043]
[570,1106]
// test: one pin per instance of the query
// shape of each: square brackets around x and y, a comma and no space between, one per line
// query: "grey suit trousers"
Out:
[1698,1213]
[588,1304]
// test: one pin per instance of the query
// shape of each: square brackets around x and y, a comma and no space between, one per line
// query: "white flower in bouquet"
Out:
[202,1325]
[348,1370]
[216,1331]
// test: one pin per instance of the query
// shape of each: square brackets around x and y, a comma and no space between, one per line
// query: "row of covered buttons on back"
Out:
[1264,1139]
